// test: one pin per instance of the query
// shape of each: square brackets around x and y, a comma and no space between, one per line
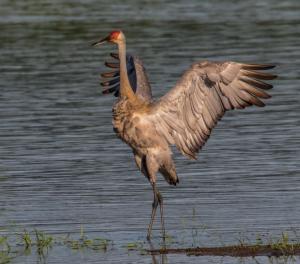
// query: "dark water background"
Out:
[61,166]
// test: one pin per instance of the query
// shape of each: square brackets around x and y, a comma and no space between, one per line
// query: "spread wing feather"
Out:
[186,115]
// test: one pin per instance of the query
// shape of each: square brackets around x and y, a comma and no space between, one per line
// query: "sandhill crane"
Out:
[184,117]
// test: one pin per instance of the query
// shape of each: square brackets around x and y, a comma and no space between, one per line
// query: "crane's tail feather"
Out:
[170,175]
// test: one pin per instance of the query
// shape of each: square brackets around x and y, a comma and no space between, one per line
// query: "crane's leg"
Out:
[154,207]
[157,200]
[152,167]
[161,207]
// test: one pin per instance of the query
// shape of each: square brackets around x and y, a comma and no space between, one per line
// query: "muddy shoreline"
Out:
[233,251]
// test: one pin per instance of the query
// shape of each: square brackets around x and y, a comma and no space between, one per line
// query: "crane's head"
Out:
[116,37]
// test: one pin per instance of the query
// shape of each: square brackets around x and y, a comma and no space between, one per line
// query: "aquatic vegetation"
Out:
[169,239]
[284,244]
[26,239]
[134,246]
[40,242]
[259,240]
[4,258]
[43,242]
[4,245]
[87,243]
[4,250]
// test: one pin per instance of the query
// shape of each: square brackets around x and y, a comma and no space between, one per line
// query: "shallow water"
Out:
[62,166]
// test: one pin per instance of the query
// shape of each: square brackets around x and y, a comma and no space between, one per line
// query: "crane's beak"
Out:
[101,41]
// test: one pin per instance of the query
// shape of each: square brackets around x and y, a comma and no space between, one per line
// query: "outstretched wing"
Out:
[136,74]
[186,115]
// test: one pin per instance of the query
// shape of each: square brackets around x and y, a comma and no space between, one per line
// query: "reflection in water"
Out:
[62,166]
[163,259]
[156,259]
[159,259]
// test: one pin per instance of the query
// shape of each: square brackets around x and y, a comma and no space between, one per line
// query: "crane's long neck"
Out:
[125,87]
